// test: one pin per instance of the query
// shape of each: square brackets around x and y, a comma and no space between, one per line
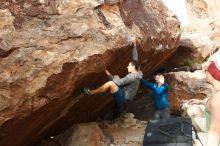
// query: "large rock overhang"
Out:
[50,50]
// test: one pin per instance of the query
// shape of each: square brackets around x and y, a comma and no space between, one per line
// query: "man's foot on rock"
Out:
[87,91]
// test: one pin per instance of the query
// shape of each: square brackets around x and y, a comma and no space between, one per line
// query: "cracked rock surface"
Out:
[50,49]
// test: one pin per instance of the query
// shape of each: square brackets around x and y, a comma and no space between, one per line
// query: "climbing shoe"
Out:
[87,91]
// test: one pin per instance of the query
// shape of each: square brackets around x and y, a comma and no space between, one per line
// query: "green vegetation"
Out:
[188,62]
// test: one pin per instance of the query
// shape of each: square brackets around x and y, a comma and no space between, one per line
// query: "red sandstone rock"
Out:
[126,131]
[50,49]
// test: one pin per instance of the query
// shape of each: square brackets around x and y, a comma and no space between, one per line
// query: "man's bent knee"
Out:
[110,83]
[113,87]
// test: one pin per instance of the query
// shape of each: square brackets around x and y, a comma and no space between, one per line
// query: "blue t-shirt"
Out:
[160,94]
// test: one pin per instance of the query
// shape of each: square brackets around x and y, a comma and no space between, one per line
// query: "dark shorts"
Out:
[120,96]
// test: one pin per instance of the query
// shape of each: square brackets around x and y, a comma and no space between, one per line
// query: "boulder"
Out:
[50,50]
[125,130]
[187,85]
[196,113]
[200,31]
[88,134]
[193,50]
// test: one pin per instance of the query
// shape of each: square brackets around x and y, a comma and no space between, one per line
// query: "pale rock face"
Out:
[194,49]
[200,43]
[196,113]
[215,56]
[200,37]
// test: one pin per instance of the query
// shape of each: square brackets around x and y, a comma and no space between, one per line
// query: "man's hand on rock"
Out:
[107,72]
[131,40]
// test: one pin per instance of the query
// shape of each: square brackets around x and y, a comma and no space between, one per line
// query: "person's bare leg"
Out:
[109,85]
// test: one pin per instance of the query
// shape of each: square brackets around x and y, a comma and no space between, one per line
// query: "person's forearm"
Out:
[110,77]
[146,83]
[134,52]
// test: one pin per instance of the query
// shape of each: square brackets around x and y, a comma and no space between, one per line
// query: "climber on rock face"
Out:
[160,93]
[123,89]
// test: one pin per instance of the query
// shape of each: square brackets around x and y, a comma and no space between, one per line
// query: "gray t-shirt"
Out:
[130,83]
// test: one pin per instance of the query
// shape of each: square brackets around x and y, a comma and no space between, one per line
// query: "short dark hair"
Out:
[158,74]
[135,64]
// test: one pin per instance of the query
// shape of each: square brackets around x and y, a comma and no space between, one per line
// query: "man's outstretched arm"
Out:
[134,51]
[110,76]
[147,84]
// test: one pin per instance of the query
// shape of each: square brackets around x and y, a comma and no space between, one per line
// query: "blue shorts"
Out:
[120,96]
